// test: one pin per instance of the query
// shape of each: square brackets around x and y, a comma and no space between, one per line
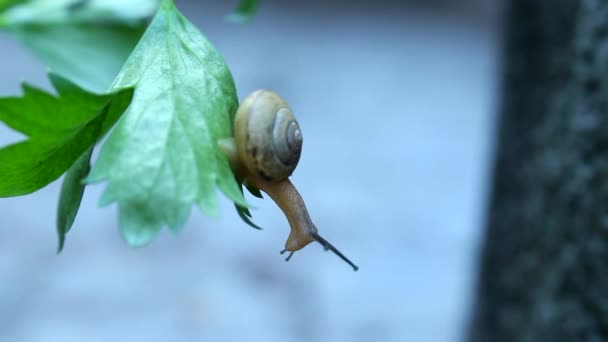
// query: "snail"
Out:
[263,154]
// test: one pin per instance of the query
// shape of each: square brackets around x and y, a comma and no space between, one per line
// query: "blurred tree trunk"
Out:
[544,268]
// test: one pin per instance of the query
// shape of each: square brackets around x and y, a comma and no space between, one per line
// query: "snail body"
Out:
[264,152]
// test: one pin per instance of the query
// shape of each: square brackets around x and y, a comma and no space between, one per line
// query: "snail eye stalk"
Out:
[289,256]
[329,246]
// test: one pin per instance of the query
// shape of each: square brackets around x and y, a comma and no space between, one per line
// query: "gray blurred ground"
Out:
[396,105]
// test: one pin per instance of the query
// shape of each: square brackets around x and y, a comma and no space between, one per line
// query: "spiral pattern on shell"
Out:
[268,137]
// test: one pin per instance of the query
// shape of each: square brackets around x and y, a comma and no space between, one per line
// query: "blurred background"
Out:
[396,101]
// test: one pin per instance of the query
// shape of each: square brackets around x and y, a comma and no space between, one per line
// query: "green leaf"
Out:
[84,41]
[245,215]
[72,190]
[5,4]
[59,130]
[244,12]
[49,12]
[89,55]
[254,191]
[163,156]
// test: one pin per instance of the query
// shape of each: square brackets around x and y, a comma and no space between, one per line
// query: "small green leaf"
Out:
[6,4]
[49,12]
[245,215]
[72,190]
[244,12]
[59,130]
[254,191]
[85,41]
[162,155]
[89,55]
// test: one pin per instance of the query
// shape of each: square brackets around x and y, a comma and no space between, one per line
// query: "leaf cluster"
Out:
[164,95]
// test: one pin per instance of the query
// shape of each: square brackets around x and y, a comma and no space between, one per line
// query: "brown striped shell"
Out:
[268,137]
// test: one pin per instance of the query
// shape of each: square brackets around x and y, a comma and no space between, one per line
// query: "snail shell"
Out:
[268,137]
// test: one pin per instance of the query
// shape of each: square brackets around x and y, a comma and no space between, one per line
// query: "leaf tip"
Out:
[245,215]
[60,244]
[244,13]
